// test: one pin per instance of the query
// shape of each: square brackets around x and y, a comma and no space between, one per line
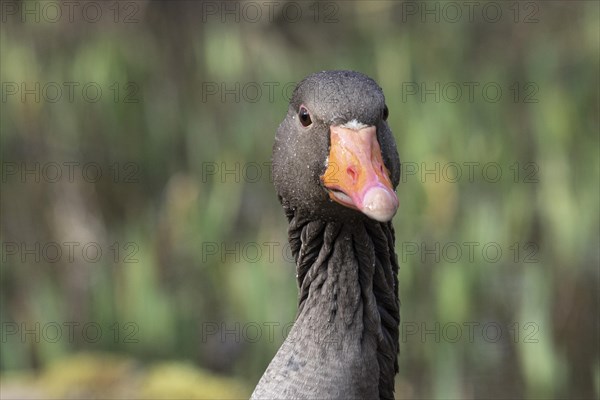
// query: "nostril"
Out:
[351,171]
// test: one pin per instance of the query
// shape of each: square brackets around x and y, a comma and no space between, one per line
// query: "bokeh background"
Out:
[143,130]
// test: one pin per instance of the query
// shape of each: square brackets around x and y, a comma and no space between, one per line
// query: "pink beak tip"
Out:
[379,203]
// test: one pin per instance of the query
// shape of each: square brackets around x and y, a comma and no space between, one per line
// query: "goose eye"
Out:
[386,112]
[304,116]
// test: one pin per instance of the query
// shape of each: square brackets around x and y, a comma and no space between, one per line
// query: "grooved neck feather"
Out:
[344,342]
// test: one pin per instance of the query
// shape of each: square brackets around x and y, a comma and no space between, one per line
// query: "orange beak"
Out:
[356,176]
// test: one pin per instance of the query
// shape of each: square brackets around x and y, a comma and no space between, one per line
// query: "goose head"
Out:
[334,155]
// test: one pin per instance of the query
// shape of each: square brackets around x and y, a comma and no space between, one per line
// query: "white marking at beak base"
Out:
[355,125]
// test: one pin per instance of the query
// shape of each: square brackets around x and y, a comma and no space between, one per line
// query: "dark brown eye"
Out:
[386,112]
[304,116]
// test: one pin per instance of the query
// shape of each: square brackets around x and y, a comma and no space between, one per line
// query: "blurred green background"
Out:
[194,288]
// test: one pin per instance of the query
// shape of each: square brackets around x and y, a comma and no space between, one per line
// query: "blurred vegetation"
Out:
[163,298]
[98,375]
